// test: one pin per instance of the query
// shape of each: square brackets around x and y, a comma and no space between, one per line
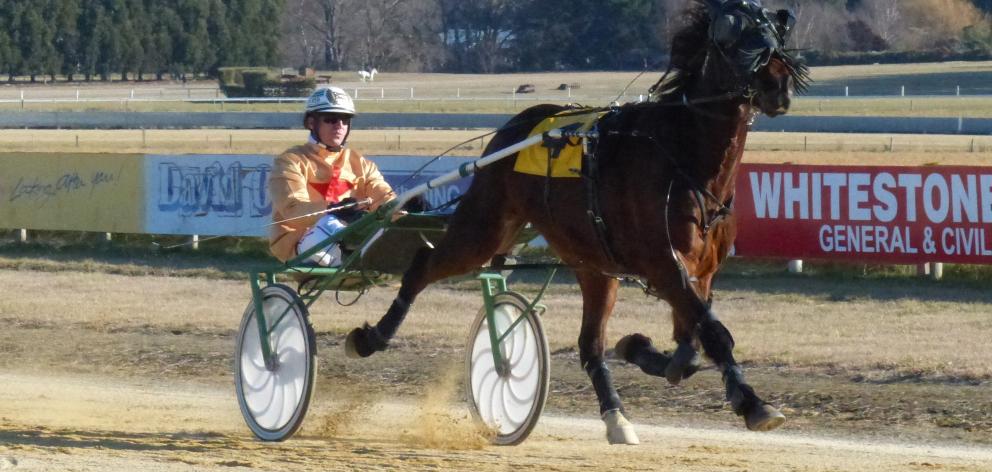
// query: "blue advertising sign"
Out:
[221,194]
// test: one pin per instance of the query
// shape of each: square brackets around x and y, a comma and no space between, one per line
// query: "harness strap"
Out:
[590,174]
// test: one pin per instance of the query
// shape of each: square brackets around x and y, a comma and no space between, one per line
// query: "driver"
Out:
[319,175]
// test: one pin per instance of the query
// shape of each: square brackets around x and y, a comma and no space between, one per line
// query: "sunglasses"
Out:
[335,119]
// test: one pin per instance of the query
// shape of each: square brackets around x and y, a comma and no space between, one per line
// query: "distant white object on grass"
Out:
[368,75]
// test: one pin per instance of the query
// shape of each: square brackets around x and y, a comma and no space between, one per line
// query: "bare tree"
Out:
[820,25]
[329,22]
[884,17]
[301,40]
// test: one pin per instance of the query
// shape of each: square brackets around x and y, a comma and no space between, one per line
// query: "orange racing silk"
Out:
[306,178]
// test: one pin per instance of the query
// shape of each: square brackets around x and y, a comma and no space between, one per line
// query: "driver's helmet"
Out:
[330,100]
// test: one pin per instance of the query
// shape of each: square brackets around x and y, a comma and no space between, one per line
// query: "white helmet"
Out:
[330,100]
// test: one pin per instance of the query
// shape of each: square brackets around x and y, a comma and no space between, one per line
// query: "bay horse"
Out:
[663,193]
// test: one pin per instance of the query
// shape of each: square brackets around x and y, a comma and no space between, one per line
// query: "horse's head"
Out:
[748,43]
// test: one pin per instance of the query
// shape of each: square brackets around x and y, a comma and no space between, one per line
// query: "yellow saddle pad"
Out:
[534,159]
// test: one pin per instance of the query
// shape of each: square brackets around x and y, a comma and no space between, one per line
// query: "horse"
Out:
[368,75]
[658,207]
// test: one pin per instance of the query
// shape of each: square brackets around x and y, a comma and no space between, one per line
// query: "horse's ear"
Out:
[715,6]
[786,21]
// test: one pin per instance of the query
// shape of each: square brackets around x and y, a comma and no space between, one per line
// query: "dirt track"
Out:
[133,373]
[92,423]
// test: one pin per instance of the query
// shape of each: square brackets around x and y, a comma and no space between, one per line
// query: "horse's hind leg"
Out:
[479,229]
[599,294]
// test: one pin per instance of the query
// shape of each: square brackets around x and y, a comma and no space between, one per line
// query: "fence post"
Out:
[144,141]
[892,143]
[22,235]
[936,270]
[22,99]
[195,242]
[108,237]
[796,266]
[411,93]
[77,140]
[847,91]
[958,92]
[805,143]
[902,91]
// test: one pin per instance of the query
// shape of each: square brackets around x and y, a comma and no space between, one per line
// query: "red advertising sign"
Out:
[864,213]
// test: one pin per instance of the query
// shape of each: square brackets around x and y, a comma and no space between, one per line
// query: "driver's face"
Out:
[331,128]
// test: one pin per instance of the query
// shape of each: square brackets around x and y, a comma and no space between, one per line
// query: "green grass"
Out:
[974,107]
[493,93]
[231,257]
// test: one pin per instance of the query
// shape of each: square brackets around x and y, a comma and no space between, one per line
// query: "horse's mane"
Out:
[689,51]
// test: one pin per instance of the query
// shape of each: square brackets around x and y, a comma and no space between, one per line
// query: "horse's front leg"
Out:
[719,345]
[599,294]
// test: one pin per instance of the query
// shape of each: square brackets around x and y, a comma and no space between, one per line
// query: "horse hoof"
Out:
[628,346]
[356,346]
[764,418]
[684,363]
[618,429]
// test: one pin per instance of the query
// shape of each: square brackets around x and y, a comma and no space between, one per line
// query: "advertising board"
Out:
[903,215]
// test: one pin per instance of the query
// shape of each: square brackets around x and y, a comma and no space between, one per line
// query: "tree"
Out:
[389,33]
[863,38]
[478,34]
[165,27]
[34,39]
[884,17]
[10,54]
[67,37]
[978,37]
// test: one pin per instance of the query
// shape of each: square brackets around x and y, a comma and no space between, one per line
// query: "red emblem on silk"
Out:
[333,190]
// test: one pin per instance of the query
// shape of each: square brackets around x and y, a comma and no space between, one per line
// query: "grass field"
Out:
[762,147]
[494,93]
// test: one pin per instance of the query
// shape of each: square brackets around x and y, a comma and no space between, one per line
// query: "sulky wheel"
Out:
[508,402]
[274,399]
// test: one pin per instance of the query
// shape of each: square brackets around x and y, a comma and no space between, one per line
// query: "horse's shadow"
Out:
[834,285]
[845,286]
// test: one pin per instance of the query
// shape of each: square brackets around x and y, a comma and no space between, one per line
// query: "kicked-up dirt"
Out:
[107,372]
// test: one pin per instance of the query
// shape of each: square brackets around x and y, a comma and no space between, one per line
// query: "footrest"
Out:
[333,278]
